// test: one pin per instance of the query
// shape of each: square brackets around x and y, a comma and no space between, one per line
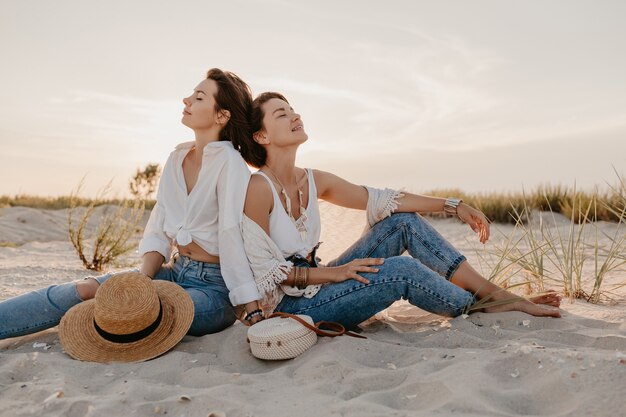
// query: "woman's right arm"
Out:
[154,246]
[151,262]
[259,204]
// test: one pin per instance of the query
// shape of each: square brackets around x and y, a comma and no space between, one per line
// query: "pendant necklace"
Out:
[300,226]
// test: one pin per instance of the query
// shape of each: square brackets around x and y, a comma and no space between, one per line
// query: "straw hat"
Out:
[131,319]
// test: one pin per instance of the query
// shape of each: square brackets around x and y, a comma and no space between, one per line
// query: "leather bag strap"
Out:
[334,329]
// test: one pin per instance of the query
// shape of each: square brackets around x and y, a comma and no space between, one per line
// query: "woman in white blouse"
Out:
[198,213]
[281,229]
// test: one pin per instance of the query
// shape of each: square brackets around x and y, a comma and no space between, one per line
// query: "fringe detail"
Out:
[391,203]
[277,274]
[380,205]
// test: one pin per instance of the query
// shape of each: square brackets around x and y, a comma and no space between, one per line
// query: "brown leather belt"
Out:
[311,259]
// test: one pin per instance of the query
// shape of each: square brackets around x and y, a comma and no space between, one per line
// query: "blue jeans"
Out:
[422,278]
[42,309]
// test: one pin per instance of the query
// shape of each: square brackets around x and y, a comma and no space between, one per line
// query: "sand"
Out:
[411,364]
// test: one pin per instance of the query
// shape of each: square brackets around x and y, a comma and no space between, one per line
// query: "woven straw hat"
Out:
[132,318]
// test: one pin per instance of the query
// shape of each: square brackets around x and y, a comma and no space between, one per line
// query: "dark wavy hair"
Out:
[253,153]
[234,95]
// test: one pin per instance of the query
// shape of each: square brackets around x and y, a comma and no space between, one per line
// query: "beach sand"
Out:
[411,364]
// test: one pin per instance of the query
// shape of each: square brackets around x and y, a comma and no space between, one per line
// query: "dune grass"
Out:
[63,202]
[505,207]
[7,244]
[113,235]
[557,253]
[549,253]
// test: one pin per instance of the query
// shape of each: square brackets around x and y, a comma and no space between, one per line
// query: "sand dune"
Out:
[411,364]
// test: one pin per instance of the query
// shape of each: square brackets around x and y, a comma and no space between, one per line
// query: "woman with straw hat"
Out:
[198,213]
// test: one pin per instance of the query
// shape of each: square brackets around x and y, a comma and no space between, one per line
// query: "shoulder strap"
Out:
[274,191]
[261,173]
[336,329]
[312,185]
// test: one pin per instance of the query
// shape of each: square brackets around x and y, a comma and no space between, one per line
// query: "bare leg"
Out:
[469,279]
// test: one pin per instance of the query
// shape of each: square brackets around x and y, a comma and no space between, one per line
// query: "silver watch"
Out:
[451,206]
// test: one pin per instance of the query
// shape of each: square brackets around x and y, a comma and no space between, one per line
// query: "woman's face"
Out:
[199,112]
[281,124]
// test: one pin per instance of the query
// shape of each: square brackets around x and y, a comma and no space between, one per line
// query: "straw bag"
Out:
[285,336]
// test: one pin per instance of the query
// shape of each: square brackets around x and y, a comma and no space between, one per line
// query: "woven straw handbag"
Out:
[285,336]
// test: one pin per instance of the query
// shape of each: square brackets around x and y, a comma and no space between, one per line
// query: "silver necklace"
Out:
[300,223]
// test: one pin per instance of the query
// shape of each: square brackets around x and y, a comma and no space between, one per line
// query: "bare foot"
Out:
[550,299]
[526,306]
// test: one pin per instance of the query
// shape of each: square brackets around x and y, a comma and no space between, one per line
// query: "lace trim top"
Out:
[268,260]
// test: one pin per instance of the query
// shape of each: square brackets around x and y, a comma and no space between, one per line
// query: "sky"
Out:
[475,95]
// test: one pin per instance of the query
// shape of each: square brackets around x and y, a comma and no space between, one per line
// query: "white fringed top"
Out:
[268,260]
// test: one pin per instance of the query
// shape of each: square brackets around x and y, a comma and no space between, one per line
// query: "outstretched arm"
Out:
[343,193]
[474,218]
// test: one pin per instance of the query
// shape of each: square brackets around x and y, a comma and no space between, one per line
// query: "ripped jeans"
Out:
[422,278]
[41,309]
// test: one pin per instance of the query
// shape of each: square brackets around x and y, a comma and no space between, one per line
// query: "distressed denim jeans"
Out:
[42,309]
[421,278]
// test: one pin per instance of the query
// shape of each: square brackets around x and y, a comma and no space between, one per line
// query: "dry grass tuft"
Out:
[61,202]
[566,249]
[113,233]
[6,244]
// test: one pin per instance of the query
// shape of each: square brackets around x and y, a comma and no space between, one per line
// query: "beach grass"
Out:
[62,202]
[506,207]
[555,252]
[113,234]
[7,244]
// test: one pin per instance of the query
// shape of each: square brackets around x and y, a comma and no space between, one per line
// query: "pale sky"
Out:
[478,95]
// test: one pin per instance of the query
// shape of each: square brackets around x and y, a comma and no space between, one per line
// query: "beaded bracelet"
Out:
[250,315]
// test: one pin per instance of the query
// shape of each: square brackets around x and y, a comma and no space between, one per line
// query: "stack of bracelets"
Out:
[301,277]
[301,280]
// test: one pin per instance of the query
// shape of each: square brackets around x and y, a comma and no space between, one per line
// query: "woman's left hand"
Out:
[475,219]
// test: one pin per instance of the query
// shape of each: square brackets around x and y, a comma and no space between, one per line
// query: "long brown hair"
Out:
[234,95]
[253,153]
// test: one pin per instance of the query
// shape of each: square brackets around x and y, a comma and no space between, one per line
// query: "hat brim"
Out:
[81,340]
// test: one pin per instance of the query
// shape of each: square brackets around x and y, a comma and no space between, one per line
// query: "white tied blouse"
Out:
[268,258]
[210,215]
